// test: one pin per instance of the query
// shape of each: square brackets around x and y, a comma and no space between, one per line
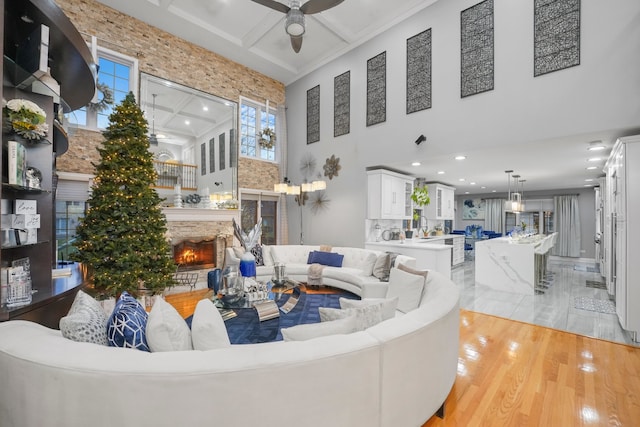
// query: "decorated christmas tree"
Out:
[122,237]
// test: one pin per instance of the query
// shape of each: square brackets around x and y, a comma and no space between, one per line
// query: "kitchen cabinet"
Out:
[623,176]
[389,195]
[442,202]
[37,30]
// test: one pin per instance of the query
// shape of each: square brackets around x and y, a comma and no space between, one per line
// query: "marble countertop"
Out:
[431,244]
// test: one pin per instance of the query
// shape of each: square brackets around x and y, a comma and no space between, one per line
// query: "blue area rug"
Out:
[245,328]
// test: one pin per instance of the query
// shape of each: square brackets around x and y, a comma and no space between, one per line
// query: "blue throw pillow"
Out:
[127,324]
[331,259]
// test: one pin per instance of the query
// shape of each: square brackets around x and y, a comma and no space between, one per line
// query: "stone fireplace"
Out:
[199,237]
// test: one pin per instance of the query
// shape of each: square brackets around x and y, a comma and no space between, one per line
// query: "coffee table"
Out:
[274,294]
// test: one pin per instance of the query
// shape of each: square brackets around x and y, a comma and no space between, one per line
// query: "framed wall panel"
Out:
[222,150]
[419,72]
[212,155]
[556,35]
[203,159]
[476,49]
[377,89]
[342,104]
[313,115]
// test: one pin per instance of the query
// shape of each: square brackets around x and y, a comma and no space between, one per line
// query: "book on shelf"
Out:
[17,290]
[16,163]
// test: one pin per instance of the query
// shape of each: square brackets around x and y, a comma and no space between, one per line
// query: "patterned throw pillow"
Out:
[127,325]
[256,251]
[388,305]
[86,321]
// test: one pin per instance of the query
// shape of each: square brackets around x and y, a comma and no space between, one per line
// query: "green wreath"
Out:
[267,138]
[106,101]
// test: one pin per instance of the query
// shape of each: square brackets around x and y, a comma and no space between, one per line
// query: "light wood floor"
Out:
[518,374]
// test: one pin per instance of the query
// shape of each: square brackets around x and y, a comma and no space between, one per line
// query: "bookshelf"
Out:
[28,199]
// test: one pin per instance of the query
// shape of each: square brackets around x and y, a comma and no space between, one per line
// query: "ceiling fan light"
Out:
[294,24]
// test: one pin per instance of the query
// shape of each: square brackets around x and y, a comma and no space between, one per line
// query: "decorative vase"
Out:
[248,265]
[408,234]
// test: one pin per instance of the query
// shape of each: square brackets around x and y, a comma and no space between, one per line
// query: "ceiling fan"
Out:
[294,23]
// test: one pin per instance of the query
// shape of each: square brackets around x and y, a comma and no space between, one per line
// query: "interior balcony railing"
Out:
[171,174]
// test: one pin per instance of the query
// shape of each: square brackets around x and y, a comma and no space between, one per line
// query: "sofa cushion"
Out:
[308,331]
[207,327]
[332,259]
[127,325]
[86,321]
[407,287]
[382,267]
[423,273]
[362,259]
[365,316]
[166,329]
[292,254]
[388,305]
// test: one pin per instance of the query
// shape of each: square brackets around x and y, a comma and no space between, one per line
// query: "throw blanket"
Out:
[314,275]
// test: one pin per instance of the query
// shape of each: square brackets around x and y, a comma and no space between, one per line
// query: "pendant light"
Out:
[507,203]
[153,138]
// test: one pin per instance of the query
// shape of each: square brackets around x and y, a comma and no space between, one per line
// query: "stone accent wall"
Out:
[257,175]
[167,56]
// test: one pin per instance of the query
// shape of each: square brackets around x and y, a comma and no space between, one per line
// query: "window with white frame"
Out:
[117,74]
[254,119]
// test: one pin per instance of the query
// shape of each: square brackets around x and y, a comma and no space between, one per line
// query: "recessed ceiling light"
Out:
[440,172]
[483,187]
[461,179]
[597,148]
[494,191]
[466,192]
[588,185]
[594,159]
[187,122]
[588,180]
[205,108]
[415,164]
[590,168]
[460,157]
[472,183]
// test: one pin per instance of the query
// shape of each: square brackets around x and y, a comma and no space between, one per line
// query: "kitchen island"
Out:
[430,253]
[509,265]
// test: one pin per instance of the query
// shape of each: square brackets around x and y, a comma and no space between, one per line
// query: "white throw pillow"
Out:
[407,287]
[308,331]
[365,316]
[166,329]
[388,305]
[86,321]
[207,327]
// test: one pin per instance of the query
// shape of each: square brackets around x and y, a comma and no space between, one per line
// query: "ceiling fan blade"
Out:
[316,6]
[273,5]
[296,43]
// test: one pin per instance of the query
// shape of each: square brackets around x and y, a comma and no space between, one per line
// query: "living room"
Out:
[588,99]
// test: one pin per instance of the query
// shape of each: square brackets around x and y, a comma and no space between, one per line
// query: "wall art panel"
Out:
[476,49]
[342,104]
[377,89]
[419,72]
[313,115]
[556,37]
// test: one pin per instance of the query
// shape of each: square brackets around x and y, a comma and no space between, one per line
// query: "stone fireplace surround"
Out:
[194,224]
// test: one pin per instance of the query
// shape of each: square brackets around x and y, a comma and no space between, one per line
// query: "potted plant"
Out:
[439,229]
[420,198]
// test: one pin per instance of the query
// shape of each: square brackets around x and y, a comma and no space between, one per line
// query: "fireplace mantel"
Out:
[196,214]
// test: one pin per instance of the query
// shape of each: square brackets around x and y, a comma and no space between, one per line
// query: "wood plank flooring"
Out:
[517,374]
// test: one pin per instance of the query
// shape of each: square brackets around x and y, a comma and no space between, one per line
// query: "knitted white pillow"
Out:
[86,321]
[365,316]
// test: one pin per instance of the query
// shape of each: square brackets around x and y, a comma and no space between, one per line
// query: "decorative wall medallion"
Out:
[342,104]
[377,89]
[556,35]
[476,49]
[320,202]
[419,72]
[332,166]
[313,115]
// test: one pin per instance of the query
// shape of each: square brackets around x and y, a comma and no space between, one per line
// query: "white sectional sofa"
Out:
[394,374]
[355,275]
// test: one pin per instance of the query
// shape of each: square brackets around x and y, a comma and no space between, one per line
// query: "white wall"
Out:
[593,96]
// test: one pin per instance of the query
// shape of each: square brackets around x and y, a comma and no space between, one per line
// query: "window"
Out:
[68,214]
[117,73]
[254,206]
[253,120]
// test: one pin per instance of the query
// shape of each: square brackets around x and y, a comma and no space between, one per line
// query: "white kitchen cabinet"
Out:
[389,195]
[623,176]
[442,202]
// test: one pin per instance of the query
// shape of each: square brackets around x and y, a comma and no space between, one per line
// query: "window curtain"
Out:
[567,220]
[494,215]
[281,147]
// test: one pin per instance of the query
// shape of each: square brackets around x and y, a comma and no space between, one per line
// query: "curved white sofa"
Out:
[396,373]
[355,275]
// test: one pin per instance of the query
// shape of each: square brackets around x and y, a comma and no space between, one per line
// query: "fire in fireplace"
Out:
[192,255]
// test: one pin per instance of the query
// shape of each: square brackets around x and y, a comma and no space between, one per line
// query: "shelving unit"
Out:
[71,64]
